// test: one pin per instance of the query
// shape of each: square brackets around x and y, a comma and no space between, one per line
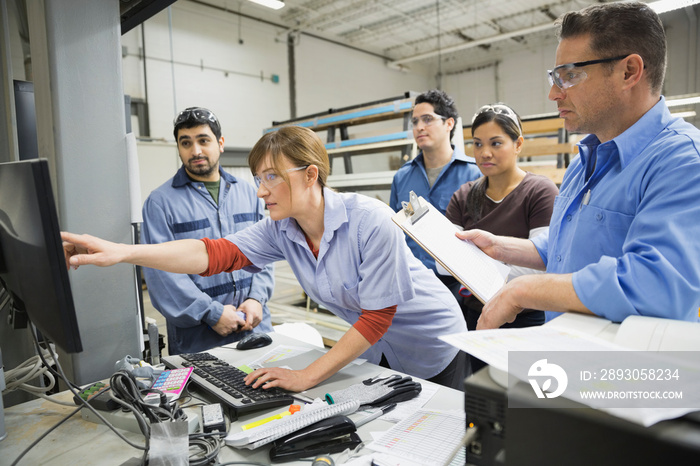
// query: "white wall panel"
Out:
[332,76]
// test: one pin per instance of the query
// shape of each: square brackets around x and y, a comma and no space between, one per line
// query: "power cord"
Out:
[467,438]
[127,394]
[206,448]
[32,368]
[71,386]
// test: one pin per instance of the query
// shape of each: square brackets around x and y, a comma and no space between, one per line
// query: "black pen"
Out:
[375,415]
[302,398]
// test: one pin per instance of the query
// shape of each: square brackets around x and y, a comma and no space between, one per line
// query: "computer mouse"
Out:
[254,340]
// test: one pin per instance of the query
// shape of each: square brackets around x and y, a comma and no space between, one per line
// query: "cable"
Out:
[125,392]
[75,393]
[209,446]
[467,438]
[32,368]
[124,386]
[54,359]
[252,463]
[35,442]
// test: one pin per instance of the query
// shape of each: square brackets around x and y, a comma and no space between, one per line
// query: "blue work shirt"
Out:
[413,177]
[364,263]
[192,304]
[633,243]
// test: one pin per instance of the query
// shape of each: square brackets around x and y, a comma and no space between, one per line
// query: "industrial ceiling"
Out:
[454,34]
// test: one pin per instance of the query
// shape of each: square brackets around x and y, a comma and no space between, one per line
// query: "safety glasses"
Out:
[272,179]
[500,109]
[565,76]
[197,114]
[427,119]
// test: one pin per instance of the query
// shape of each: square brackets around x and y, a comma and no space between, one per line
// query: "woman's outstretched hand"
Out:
[90,250]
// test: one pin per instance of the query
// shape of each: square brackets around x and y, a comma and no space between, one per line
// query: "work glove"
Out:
[377,391]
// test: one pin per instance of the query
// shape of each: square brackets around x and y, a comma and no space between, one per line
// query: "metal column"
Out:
[76,59]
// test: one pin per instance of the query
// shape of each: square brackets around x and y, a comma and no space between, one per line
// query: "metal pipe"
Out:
[487,40]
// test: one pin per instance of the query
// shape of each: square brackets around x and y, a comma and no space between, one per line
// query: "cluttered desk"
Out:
[412,432]
[165,421]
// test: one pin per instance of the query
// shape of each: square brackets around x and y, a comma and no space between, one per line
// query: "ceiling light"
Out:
[663,6]
[274,4]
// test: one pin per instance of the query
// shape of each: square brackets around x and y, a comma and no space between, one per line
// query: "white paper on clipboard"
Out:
[481,274]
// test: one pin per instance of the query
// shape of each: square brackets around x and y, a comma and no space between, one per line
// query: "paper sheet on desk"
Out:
[384,459]
[406,408]
[492,347]
[428,437]
[277,354]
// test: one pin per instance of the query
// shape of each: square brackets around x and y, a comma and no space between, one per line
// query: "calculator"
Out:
[172,382]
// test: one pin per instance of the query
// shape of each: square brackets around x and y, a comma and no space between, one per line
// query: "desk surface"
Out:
[81,442]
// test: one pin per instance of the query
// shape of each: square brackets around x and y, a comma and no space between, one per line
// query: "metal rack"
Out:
[345,120]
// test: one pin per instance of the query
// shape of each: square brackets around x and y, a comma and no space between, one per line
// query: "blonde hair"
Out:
[300,145]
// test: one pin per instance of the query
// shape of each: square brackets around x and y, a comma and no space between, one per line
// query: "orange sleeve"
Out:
[373,324]
[224,256]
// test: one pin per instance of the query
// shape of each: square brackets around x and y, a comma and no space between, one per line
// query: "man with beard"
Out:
[203,200]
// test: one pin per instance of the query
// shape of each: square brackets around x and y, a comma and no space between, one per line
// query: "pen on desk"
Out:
[292,409]
[375,415]
[301,397]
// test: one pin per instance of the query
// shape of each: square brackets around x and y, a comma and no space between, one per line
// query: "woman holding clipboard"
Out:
[346,253]
[506,200]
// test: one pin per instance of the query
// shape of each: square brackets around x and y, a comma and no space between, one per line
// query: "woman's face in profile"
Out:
[275,191]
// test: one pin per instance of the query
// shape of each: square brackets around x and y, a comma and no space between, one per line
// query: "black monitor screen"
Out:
[32,264]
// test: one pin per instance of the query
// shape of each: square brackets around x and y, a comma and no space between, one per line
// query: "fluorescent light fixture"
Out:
[274,4]
[683,100]
[663,6]
[690,114]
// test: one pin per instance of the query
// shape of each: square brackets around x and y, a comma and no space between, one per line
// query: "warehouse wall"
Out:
[519,79]
[205,44]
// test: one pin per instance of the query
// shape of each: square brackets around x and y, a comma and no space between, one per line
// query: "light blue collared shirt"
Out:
[192,304]
[630,233]
[364,263]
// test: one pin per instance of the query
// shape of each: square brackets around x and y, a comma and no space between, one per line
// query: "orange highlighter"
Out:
[292,409]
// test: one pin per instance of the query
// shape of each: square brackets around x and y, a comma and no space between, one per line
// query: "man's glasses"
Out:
[565,76]
[272,179]
[197,114]
[501,110]
[427,119]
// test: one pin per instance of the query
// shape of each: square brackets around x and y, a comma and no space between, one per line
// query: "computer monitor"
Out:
[32,264]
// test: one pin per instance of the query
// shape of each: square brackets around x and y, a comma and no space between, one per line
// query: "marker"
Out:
[292,409]
[375,415]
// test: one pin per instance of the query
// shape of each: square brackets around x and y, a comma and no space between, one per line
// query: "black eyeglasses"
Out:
[565,76]
[197,114]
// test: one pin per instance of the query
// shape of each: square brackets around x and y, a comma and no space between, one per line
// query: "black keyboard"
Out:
[225,382]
